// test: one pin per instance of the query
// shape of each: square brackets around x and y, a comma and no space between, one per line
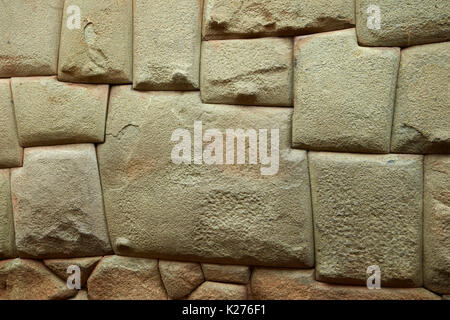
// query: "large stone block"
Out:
[167,38]
[251,18]
[10,151]
[422,110]
[436,230]
[100,50]
[402,23]
[50,112]
[221,213]
[249,71]
[367,211]
[29,37]
[219,291]
[344,94]
[226,273]
[180,278]
[57,203]
[7,246]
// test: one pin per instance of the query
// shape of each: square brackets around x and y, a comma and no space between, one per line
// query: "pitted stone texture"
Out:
[367,211]
[167,39]
[180,278]
[22,279]
[294,284]
[422,111]
[81,295]
[60,267]
[230,214]
[124,278]
[29,37]
[226,273]
[100,51]
[219,291]
[344,94]
[57,203]
[10,151]
[403,23]
[243,18]
[436,231]
[7,246]
[248,72]
[50,112]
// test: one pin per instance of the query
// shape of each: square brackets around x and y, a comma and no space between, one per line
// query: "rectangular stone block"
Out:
[402,23]
[247,72]
[344,94]
[29,37]
[224,19]
[422,109]
[161,204]
[436,262]
[7,246]
[167,37]
[50,112]
[367,212]
[10,150]
[100,49]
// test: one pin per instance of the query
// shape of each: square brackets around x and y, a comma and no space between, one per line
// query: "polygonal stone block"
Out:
[7,246]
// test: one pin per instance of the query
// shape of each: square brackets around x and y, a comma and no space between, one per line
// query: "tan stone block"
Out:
[61,266]
[167,37]
[343,94]
[7,241]
[248,72]
[367,211]
[226,273]
[219,291]
[50,112]
[180,278]
[81,295]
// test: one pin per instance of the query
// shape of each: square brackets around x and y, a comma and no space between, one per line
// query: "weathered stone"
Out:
[436,230]
[230,213]
[60,267]
[100,51]
[10,151]
[7,247]
[57,203]
[50,112]
[81,295]
[180,278]
[402,23]
[447,297]
[367,211]
[243,18]
[123,278]
[219,291]
[422,112]
[248,72]
[22,279]
[167,39]
[29,37]
[226,273]
[344,94]
[292,284]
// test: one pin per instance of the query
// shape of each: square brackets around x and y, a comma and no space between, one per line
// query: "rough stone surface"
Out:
[50,112]
[230,214]
[124,278]
[57,203]
[447,297]
[436,263]
[29,37]
[167,38]
[343,94]
[7,246]
[291,284]
[249,71]
[226,273]
[180,278]
[10,150]
[60,266]
[22,279]
[81,295]
[403,23]
[101,50]
[367,211]
[422,111]
[219,291]
[243,18]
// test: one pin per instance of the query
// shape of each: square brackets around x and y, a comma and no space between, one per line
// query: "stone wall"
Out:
[354,94]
